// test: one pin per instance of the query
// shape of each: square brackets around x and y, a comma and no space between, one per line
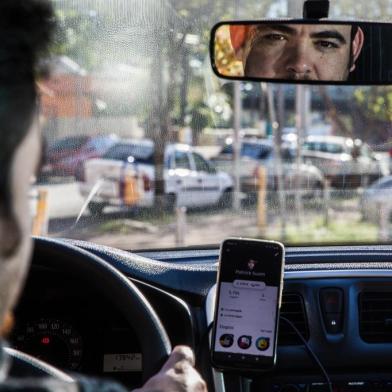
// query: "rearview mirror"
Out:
[303,51]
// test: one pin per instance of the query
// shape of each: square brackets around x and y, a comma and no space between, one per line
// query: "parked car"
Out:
[65,157]
[347,163]
[379,194]
[190,180]
[260,152]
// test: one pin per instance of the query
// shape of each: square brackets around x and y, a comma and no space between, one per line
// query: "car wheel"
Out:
[96,208]
[226,200]
[318,190]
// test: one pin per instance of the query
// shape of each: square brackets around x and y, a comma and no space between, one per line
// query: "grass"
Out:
[339,231]
[147,223]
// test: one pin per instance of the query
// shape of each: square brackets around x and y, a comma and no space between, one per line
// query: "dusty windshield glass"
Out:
[144,147]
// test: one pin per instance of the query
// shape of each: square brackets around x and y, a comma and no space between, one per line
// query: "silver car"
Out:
[347,163]
[256,153]
[375,198]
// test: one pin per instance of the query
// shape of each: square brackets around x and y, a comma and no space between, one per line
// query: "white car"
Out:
[376,197]
[347,163]
[190,180]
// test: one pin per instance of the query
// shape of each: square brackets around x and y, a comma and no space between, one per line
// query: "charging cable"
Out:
[310,352]
[204,340]
[300,336]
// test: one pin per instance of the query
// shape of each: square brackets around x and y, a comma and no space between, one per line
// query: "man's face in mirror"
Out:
[302,52]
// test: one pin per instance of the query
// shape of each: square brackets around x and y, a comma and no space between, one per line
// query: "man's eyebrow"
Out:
[330,34]
[277,27]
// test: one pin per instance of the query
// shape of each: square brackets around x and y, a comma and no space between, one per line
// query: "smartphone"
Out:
[247,305]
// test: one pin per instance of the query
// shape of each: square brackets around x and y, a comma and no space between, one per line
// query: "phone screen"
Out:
[248,302]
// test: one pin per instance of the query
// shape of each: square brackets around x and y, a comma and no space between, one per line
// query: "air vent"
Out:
[294,310]
[375,316]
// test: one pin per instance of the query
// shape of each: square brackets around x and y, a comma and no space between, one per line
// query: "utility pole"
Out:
[300,126]
[278,168]
[237,146]
[295,10]
[236,135]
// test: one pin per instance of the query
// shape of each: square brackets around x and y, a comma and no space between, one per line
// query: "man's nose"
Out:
[298,60]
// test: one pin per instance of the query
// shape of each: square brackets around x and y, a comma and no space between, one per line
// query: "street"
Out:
[64,200]
[141,230]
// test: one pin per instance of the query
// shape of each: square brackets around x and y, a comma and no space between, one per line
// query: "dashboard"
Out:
[72,326]
[340,299]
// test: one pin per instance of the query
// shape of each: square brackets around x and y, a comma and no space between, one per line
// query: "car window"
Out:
[200,163]
[255,151]
[333,148]
[101,144]
[384,185]
[122,152]
[72,143]
[366,151]
[288,154]
[181,160]
[311,146]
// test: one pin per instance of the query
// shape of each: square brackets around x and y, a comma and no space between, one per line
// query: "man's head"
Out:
[26,27]
[298,51]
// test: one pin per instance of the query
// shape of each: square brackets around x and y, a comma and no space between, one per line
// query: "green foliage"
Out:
[75,38]
[339,231]
[200,117]
[375,102]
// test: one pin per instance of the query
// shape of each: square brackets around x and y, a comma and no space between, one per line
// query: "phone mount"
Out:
[316,9]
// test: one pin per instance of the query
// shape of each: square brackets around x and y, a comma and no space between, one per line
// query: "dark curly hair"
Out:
[26,30]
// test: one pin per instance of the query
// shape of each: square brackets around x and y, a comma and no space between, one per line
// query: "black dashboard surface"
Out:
[194,271]
[187,276]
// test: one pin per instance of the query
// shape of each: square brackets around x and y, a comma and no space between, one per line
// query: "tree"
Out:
[339,125]
[188,18]
[373,112]
[154,35]
[200,119]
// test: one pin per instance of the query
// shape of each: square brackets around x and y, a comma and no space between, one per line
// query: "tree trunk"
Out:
[332,113]
[184,88]
[158,130]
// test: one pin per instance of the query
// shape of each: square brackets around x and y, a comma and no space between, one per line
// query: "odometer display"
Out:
[52,341]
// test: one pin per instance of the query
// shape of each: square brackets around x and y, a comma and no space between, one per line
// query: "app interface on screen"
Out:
[247,305]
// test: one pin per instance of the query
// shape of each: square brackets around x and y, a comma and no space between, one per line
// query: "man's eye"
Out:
[327,45]
[274,37]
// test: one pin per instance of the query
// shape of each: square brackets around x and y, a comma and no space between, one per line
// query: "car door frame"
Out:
[209,188]
[181,181]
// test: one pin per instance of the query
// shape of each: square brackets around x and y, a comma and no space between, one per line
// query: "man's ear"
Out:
[357,46]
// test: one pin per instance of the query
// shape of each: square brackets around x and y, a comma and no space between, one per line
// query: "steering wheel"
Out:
[125,296]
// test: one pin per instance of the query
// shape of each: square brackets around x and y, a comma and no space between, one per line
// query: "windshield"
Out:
[144,147]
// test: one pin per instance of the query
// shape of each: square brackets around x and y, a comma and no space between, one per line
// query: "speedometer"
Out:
[52,341]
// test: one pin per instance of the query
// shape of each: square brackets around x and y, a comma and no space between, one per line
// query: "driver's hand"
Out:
[177,374]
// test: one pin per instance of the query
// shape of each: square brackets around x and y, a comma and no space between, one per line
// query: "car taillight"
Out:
[146,183]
